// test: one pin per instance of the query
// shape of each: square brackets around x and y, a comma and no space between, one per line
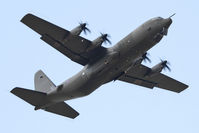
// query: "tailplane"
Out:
[63,109]
[34,98]
[39,97]
[39,100]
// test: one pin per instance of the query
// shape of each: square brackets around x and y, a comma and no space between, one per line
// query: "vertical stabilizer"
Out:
[43,83]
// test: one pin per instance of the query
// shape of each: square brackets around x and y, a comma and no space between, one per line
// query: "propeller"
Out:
[105,38]
[145,57]
[165,64]
[84,28]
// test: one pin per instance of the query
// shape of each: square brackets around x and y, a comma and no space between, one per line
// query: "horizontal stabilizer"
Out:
[62,109]
[33,97]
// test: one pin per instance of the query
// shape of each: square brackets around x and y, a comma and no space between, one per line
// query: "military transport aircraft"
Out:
[101,65]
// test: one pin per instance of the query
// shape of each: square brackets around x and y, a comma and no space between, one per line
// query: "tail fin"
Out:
[43,83]
[33,97]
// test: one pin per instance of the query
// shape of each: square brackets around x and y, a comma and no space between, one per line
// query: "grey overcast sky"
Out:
[115,107]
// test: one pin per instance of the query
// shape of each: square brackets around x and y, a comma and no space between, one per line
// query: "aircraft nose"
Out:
[167,22]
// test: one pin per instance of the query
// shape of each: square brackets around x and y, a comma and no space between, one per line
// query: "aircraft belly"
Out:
[77,86]
[105,70]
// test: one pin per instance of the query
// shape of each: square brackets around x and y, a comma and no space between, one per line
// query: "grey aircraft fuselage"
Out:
[114,63]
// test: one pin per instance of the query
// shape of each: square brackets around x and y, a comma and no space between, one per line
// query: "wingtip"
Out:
[76,115]
[13,90]
[25,17]
[185,87]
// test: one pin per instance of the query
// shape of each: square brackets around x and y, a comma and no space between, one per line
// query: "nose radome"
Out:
[167,22]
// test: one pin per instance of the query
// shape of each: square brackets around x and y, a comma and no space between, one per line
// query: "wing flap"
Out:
[64,50]
[137,81]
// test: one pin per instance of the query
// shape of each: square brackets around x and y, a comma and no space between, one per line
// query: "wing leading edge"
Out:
[73,46]
[137,76]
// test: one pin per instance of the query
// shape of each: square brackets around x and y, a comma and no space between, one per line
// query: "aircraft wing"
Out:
[72,46]
[136,75]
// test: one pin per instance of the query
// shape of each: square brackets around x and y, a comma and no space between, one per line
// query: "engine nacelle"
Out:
[82,27]
[139,60]
[155,70]
[77,30]
[98,42]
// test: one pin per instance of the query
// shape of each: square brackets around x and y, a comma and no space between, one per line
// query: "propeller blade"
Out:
[165,65]
[146,58]
[105,38]
[84,28]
